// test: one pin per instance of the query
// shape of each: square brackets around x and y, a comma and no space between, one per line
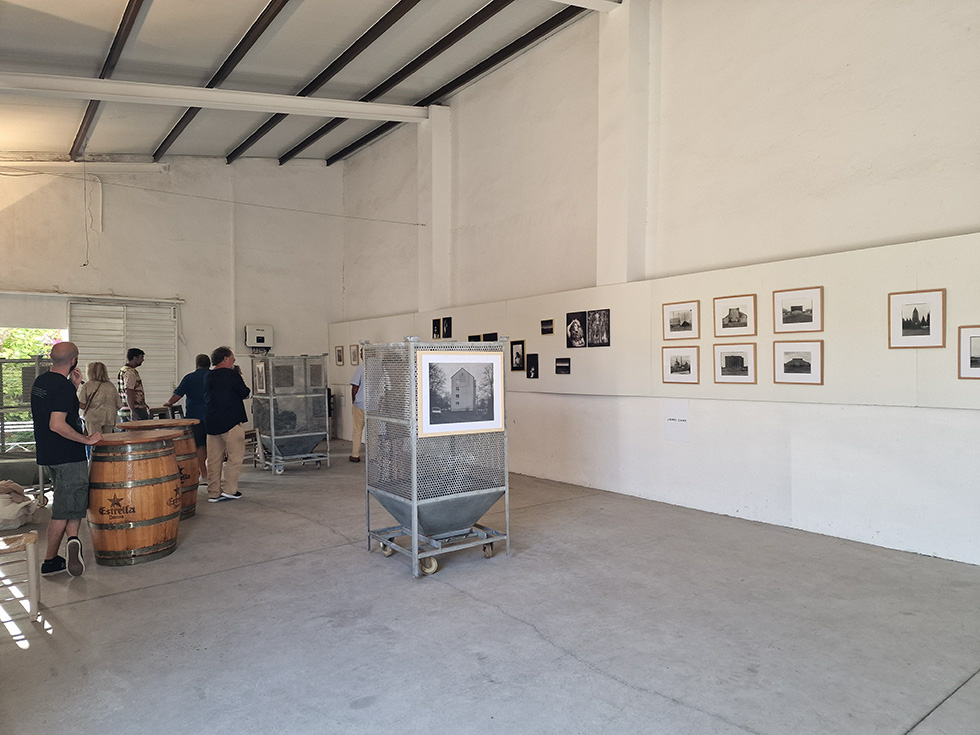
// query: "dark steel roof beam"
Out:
[253,34]
[112,58]
[528,39]
[443,44]
[359,46]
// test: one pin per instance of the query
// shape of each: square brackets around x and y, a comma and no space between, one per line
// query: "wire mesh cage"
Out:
[426,465]
[289,410]
[16,378]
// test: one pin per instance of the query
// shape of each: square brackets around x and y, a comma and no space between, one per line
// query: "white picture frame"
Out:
[969,352]
[798,362]
[682,320]
[917,319]
[735,316]
[681,364]
[797,310]
[735,363]
[441,411]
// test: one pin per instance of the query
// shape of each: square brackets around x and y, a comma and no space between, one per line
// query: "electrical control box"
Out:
[258,335]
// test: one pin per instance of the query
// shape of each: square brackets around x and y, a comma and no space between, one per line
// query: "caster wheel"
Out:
[279,469]
[42,500]
[386,550]
[428,565]
[488,550]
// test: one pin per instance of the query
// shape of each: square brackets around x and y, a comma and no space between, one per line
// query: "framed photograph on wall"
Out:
[517,355]
[547,326]
[460,392]
[735,316]
[597,329]
[680,364]
[575,329]
[489,336]
[354,355]
[563,366]
[798,362]
[447,327]
[917,319]
[258,378]
[970,352]
[531,366]
[798,310]
[339,355]
[682,320]
[473,338]
[735,363]
[436,328]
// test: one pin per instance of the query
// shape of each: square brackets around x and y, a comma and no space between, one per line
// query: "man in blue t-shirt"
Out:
[60,448]
[192,387]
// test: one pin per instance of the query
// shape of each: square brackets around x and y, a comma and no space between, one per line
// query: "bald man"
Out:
[60,448]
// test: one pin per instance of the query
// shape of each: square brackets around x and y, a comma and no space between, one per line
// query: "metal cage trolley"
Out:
[436,447]
[17,451]
[289,410]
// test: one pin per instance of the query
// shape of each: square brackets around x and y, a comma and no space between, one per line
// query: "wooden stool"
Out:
[15,550]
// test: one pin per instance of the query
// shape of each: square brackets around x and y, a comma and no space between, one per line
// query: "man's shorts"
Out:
[70,482]
[200,435]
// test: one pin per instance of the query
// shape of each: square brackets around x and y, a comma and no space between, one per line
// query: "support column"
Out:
[629,117]
[435,210]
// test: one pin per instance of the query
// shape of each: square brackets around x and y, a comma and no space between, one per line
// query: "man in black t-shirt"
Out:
[60,448]
[224,396]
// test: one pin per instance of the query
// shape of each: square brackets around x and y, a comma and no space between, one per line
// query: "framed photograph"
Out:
[339,355]
[460,392]
[917,319]
[575,329]
[597,331]
[798,310]
[735,363]
[531,366]
[517,355]
[735,316]
[258,378]
[563,366]
[436,328]
[681,365]
[682,320]
[970,352]
[489,336]
[798,362]
[447,327]
[547,326]
[473,338]
[354,355]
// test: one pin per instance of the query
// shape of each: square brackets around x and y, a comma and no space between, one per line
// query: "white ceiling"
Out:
[184,42]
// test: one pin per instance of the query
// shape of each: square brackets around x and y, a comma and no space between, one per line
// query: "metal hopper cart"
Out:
[436,447]
[289,411]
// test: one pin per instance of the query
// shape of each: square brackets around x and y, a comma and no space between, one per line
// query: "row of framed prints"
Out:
[793,362]
[796,310]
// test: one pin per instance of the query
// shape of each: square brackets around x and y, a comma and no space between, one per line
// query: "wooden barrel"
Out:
[186,451]
[134,497]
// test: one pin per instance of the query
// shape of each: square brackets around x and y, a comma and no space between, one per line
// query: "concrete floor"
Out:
[612,615]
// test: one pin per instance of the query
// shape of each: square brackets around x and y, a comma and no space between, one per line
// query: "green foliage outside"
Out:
[23,343]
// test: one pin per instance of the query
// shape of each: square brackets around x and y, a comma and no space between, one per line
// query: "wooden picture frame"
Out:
[682,319]
[735,316]
[798,362]
[969,352]
[478,405]
[735,363]
[681,364]
[339,355]
[797,310]
[917,319]
[354,355]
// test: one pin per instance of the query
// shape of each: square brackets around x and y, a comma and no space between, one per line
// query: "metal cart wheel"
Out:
[279,469]
[42,499]
[488,550]
[428,565]
[386,550]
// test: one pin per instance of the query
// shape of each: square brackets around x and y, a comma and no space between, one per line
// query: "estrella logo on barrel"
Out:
[177,499]
[116,508]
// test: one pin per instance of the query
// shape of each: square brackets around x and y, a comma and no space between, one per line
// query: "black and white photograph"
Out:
[597,330]
[489,336]
[437,328]
[680,364]
[798,310]
[474,338]
[547,326]
[798,362]
[735,363]
[354,355]
[969,353]
[258,378]
[517,355]
[735,316]
[447,327]
[917,319]
[682,320]
[460,392]
[339,355]
[575,329]
[563,366]
[531,366]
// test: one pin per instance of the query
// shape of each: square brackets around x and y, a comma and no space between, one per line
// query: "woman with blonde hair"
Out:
[99,400]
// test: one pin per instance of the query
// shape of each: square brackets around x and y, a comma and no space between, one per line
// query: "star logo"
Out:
[115,502]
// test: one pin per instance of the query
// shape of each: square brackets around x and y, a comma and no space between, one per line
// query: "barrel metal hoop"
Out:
[136,556]
[134,483]
[132,524]
[134,447]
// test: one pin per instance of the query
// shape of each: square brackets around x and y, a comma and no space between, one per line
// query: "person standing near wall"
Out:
[357,410]
[99,400]
[134,406]
[224,394]
[192,387]
[61,451]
